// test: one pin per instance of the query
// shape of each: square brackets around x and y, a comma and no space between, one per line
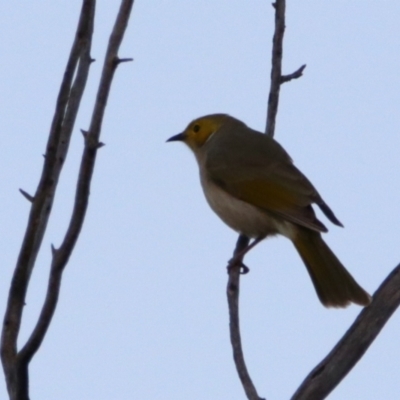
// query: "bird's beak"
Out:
[179,137]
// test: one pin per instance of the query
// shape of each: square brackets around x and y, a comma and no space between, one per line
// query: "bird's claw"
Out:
[243,269]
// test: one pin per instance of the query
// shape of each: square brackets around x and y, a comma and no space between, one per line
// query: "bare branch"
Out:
[276,70]
[16,373]
[277,79]
[92,144]
[232,292]
[349,350]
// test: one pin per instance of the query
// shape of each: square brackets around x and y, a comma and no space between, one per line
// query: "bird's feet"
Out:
[237,262]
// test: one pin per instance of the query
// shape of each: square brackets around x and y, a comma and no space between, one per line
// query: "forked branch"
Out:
[16,363]
[57,147]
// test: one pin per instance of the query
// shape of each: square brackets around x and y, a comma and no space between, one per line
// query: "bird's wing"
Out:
[268,180]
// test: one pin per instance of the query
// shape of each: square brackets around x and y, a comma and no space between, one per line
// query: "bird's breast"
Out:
[241,216]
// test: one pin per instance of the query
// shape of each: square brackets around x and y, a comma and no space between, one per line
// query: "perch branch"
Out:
[232,292]
[234,273]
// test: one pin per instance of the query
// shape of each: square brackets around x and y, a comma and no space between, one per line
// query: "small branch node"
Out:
[91,142]
[92,60]
[27,195]
[295,75]
[53,250]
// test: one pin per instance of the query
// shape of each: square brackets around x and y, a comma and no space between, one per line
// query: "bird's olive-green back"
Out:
[256,169]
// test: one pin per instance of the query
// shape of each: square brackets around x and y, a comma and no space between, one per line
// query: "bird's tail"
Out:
[333,283]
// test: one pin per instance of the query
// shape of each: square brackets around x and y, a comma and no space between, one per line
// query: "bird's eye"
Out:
[196,128]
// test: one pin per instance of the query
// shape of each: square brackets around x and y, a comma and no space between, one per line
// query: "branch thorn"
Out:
[118,60]
[294,75]
[84,133]
[27,195]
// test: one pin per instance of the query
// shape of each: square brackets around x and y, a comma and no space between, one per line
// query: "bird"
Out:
[252,184]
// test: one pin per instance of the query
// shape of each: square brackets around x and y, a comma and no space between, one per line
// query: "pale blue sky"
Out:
[143,312]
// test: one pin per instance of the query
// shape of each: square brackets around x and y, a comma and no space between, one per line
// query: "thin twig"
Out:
[276,70]
[16,374]
[349,350]
[277,79]
[232,292]
[92,144]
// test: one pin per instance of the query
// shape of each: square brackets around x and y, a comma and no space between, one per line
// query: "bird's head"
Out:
[200,130]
